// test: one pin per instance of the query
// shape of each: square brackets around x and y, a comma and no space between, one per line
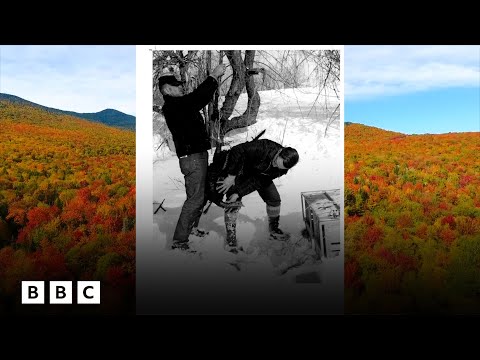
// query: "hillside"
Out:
[412,222]
[67,206]
[108,117]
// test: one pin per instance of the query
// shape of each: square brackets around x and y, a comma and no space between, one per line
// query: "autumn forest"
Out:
[412,222]
[67,205]
[412,213]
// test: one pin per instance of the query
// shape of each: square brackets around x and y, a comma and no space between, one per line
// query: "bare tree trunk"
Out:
[181,66]
[236,86]
[208,118]
[249,117]
[215,116]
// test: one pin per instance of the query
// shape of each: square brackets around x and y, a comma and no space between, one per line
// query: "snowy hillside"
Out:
[293,117]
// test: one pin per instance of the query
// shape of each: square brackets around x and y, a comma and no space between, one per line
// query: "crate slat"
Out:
[321,214]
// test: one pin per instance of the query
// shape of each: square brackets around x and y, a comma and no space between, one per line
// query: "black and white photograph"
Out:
[246,166]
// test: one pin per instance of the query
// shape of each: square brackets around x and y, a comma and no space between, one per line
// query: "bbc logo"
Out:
[61,292]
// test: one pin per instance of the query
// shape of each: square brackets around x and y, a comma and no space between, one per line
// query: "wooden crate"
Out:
[321,213]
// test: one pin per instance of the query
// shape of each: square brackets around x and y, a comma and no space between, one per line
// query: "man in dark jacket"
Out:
[183,118]
[249,167]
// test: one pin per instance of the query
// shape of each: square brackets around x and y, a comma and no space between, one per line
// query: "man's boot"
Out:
[275,232]
[273,213]
[198,232]
[231,227]
[183,246]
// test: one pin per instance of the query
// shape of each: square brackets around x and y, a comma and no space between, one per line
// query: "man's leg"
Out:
[195,230]
[194,169]
[270,195]
[230,216]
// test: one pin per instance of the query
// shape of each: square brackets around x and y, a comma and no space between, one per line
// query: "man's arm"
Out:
[202,95]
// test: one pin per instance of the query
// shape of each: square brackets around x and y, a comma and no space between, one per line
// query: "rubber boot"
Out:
[231,227]
[275,232]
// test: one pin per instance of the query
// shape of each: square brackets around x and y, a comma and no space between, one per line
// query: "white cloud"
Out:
[374,71]
[75,78]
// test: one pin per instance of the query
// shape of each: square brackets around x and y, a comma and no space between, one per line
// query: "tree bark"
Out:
[249,117]
[215,113]
[240,79]
[208,119]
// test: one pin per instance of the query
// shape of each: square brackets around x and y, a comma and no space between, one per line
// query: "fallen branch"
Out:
[160,207]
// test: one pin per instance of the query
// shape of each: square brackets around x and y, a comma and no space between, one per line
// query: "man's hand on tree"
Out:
[218,71]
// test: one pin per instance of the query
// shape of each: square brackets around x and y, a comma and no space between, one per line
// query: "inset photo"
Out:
[247,182]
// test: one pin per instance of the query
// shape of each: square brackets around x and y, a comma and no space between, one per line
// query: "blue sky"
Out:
[71,77]
[413,89]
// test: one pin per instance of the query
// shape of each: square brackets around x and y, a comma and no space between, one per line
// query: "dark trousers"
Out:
[194,169]
[270,195]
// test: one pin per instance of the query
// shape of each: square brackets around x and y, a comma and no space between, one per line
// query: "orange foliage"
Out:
[407,188]
[404,221]
[447,235]
[422,231]
[56,171]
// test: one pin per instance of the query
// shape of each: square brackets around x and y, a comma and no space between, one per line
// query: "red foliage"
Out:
[407,187]
[79,208]
[113,224]
[77,234]
[443,205]
[352,275]
[22,236]
[50,262]
[372,236]
[84,194]
[41,215]
[450,220]
[405,262]
[465,180]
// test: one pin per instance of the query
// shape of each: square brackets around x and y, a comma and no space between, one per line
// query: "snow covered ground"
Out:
[293,117]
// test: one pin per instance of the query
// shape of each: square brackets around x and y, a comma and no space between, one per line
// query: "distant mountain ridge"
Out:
[110,117]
